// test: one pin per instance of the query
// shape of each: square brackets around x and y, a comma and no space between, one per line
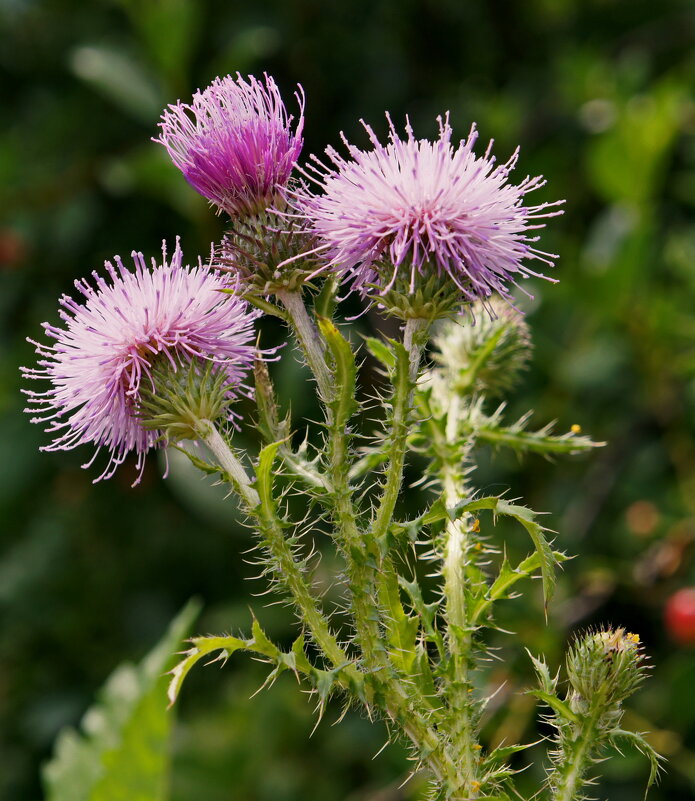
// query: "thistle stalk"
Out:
[309,340]
[414,336]
[459,625]
[289,571]
[576,757]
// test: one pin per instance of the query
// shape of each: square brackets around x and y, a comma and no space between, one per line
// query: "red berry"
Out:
[680,616]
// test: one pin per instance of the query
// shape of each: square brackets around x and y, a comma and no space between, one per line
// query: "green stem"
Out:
[287,569]
[414,336]
[459,626]
[567,779]
[396,698]
[309,340]
[361,555]
[226,459]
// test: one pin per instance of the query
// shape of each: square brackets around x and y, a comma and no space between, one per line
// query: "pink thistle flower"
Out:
[419,207]
[234,143]
[105,350]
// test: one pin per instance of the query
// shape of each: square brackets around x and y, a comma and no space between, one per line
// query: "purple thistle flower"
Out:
[105,350]
[417,206]
[234,144]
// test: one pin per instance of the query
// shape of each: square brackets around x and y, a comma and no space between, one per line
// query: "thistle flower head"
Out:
[412,209]
[103,356]
[234,143]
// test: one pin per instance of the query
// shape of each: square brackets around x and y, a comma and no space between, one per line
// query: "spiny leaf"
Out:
[487,429]
[558,706]
[202,647]
[527,518]
[502,753]
[323,681]
[122,751]
[261,303]
[437,512]
[344,403]
[264,474]
[636,739]
[427,612]
[400,628]
[547,682]
[547,556]
[506,578]
[201,464]
[381,352]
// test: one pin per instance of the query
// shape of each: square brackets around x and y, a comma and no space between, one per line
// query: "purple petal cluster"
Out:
[234,143]
[417,206]
[104,349]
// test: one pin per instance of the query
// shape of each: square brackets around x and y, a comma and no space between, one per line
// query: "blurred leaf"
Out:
[122,752]
[120,78]
[181,21]
[627,161]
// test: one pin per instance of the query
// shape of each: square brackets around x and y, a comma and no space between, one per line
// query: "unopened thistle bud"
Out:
[264,252]
[484,354]
[608,664]
[604,667]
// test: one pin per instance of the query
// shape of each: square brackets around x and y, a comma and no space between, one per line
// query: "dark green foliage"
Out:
[599,96]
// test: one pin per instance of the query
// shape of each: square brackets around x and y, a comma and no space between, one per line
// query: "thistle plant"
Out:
[437,237]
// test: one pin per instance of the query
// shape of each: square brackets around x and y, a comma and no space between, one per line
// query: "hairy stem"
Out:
[459,626]
[361,554]
[288,570]
[227,460]
[575,755]
[309,340]
[414,336]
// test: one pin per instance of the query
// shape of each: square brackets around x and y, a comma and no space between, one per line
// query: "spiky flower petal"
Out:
[413,208]
[105,351]
[234,143]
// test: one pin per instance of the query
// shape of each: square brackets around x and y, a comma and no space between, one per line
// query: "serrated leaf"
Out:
[202,647]
[345,371]
[264,474]
[427,612]
[122,750]
[547,556]
[636,739]
[505,751]
[547,682]
[558,706]
[201,464]
[548,559]
[516,437]
[260,643]
[400,628]
[261,303]
[381,352]
[506,578]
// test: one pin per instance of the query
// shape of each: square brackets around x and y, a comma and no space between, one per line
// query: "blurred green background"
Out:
[599,93]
